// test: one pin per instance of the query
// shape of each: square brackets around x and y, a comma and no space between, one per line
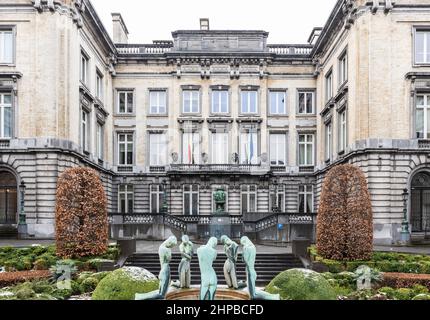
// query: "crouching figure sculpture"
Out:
[165,254]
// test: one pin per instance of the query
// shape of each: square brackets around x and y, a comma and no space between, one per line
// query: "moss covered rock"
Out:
[89,284]
[123,284]
[302,284]
[422,297]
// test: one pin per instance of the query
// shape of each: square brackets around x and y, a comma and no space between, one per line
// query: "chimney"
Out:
[204,24]
[313,38]
[120,32]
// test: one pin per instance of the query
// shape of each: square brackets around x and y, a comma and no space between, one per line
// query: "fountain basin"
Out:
[193,294]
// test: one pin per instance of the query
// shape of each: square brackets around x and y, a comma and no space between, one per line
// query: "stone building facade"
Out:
[214,131]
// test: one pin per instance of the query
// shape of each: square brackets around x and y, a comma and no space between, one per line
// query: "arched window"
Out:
[420,206]
[8,198]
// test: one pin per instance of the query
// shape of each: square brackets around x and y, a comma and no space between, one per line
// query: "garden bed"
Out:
[12,278]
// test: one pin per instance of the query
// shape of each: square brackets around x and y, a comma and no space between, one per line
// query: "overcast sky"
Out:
[287,21]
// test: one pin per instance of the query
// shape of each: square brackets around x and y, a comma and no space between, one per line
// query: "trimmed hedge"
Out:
[405,280]
[12,278]
[345,219]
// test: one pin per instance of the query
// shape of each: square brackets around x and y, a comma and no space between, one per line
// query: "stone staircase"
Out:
[267,266]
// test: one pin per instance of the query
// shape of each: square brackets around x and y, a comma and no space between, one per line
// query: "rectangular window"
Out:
[6,116]
[157,149]
[100,141]
[157,102]
[85,61]
[422,117]
[220,146]
[125,102]
[306,149]
[343,69]
[125,149]
[422,46]
[156,198]
[191,200]
[329,86]
[191,148]
[306,102]
[191,101]
[6,46]
[249,199]
[249,102]
[220,103]
[306,199]
[126,199]
[99,86]
[328,141]
[342,131]
[249,148]
[85,130]
[277,199]
[278,102]
[278,146]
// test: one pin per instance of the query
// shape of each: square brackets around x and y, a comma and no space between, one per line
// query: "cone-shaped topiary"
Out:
[81,214]
[345,220]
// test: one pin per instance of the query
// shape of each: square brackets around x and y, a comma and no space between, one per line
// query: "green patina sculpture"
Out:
[231,250]
[165,254]
[207,255]
[220,200]
[249,255]
[184,269]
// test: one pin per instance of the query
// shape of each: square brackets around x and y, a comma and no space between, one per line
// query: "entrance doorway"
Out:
[420,203]
[8,199]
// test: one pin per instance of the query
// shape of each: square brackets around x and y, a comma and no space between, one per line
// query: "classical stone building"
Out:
[215,131]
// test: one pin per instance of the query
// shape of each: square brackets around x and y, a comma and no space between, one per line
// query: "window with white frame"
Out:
[125,149]
[85,62]
[191,148]
[249,147]
[278,102]
[6,118]
[157,102]
[248,198]
[157,149]
[278,149]
[85,130]
[277,198]
[306,149]
[156,198]
[125,102]
[306,102]
[99,85]
[6,46]
[220,147]
[249,102]
[329,86]
[220,102]
[343,130]
[328,141]
[126,199]
[191,101]
[100,140]
[422,117]
[422,46]
[191,200]
[306,199]
[343,68]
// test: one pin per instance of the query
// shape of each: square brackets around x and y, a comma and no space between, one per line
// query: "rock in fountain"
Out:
[165,254]
[207,255]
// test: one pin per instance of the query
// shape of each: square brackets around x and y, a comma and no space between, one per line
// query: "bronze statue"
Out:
[231,249]
[207,255]
[184,269]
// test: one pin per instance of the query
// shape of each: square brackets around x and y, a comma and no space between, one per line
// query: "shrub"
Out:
[345,221]
[25,293]
[123,284]
[406,280]
[81,214]
[422,297]
[301,284]
[11,278]
[89,284]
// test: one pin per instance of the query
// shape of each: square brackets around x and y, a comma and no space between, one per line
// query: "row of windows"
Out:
[342,135]
[85,76]
[220,149]
[191,194]
[220,102]
[342,76]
